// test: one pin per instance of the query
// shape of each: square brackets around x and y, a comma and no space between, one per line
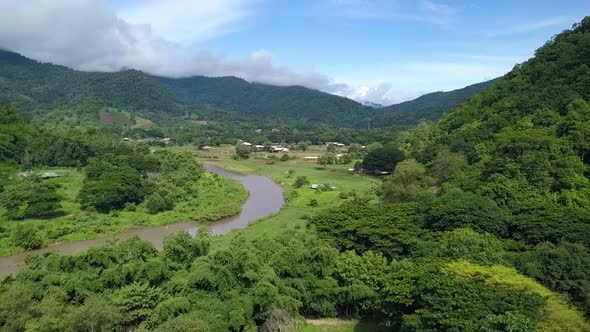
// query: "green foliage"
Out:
[562,268]
[382,159]
[30,196]
[112,189]
[137,301]
[182,248]
[301,181]
[457,209]
[27,237]
[159,201]
[243,151]
[408,181]
[356,225]
[465,243]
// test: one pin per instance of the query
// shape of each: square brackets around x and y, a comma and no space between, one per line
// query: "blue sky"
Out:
[376,50]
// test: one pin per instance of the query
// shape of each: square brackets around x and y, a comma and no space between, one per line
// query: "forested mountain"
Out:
[42,86]
[430,106]
[266,101]
[46,87]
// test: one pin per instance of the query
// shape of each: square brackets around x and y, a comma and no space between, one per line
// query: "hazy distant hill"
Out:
[430,106]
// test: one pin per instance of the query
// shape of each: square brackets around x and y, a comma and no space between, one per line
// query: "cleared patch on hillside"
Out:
[114,117]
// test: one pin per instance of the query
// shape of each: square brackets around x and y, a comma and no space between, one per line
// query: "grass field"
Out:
[77,224]
[341,325]
[297,206]
[111,116]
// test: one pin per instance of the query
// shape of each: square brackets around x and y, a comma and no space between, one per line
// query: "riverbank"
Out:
[265,198]
[219,197]
[297,207]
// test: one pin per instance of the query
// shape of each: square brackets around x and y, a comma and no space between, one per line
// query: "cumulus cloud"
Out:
[159,36]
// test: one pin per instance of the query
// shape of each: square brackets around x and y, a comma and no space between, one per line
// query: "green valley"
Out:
[466,210]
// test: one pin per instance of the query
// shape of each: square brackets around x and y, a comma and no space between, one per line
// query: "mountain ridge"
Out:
[44,86]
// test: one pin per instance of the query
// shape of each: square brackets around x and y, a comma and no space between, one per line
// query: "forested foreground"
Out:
[483,225]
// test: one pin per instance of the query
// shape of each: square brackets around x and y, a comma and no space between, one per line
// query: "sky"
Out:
[382,51]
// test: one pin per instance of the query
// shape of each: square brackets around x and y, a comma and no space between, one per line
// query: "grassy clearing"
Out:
[340,325]
[112,116]
[296,209]
[218,197]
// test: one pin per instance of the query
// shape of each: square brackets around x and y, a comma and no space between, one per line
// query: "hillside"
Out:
[42,86]
[266,101]
[45,87]
[517,155]
[430,106]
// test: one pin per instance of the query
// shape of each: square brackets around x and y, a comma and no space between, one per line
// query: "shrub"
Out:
[158,202]
[27,237]
[300,181]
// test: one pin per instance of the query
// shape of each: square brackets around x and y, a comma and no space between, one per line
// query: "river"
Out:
[266,197]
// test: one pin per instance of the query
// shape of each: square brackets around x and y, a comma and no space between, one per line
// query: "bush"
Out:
[285,157]
[301,181]
[158,202]
[242,151]
[27,237]
[313,202]
[30,197]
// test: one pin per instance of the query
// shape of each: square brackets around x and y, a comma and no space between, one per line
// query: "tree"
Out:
[182,248]
[382,159]
[465,243]
[576,126]
[561,267]
[158,202]
[448,166]
[463,209]
[136,301]
[30,196]
[327,159]
[112,190]
[301,181]
[243,151]
[28,237]
[406,183]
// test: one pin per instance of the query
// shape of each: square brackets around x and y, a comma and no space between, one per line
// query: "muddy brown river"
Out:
[266,197]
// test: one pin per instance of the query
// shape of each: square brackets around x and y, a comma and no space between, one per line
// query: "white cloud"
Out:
[153,36]
[187,21]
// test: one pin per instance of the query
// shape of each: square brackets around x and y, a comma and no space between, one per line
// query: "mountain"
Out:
[42,86]
[257,100]
[430,106]
[46,87]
